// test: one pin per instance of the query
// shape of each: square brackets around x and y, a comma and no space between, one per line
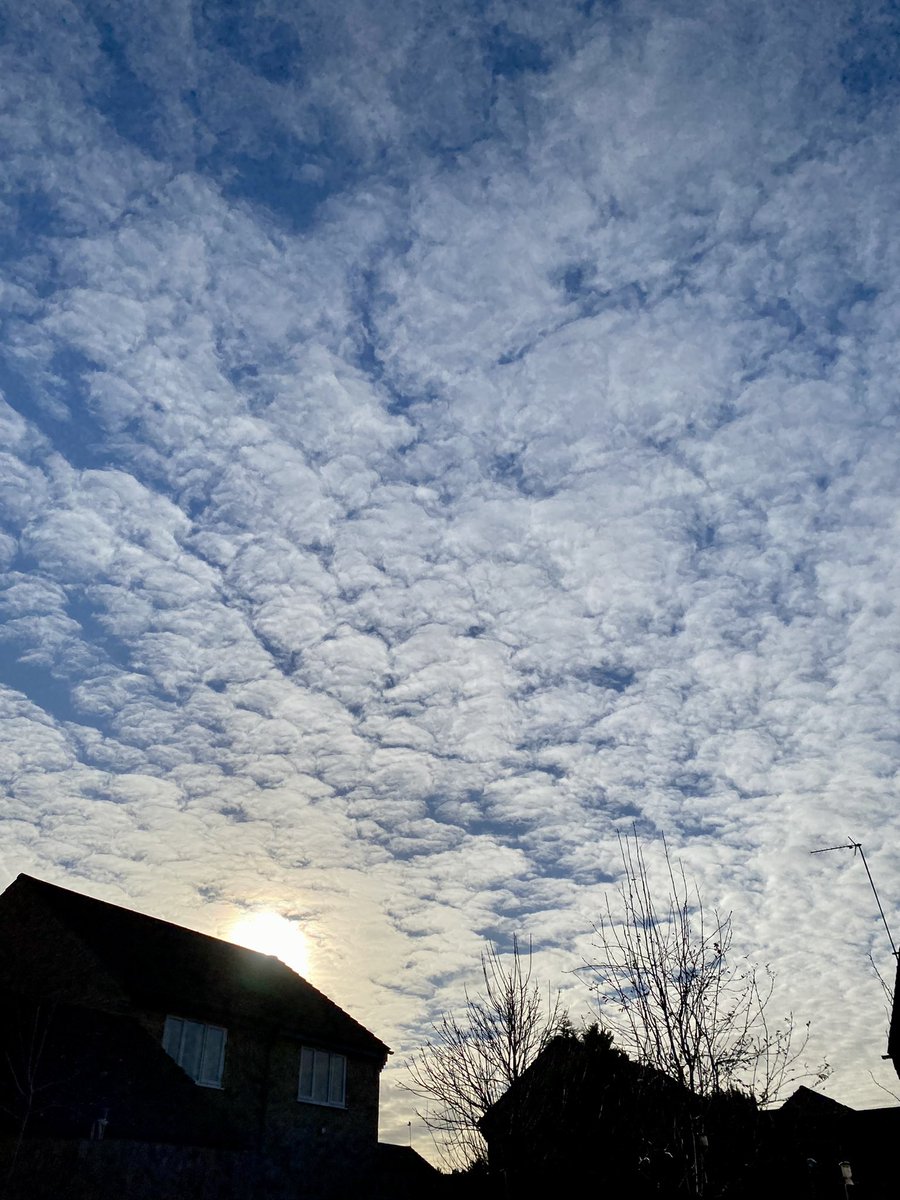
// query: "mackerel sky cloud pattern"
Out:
[434,439]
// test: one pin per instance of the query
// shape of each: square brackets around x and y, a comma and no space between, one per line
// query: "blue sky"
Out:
[434,436]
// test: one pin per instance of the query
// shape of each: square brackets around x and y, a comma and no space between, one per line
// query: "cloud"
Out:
[432,442]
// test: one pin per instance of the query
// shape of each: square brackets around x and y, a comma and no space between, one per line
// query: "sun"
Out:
[271,933]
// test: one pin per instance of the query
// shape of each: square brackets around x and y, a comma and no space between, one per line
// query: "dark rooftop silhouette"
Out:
[166,965]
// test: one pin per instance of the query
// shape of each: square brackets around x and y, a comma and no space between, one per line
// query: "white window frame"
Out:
[313,1062]
[174,1045]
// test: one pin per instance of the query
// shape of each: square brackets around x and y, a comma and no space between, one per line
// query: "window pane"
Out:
[320,1077]
[172,1036]
[306,1073]
[323,1077]
[197,1048]
[191,1048]
[211,1062]
[336,1079]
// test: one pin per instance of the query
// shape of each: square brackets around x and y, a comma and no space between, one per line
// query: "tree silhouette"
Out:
[676,999]
[472,1058]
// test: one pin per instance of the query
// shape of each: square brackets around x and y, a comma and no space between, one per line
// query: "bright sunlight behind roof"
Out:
[270,933]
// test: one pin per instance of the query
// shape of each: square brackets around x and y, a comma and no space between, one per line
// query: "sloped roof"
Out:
[403,1174]
[805,1099]
[404,1160]
[173,969]
[569,1070]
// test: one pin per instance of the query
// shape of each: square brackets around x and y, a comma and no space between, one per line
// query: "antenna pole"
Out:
[854,846]
[875,894]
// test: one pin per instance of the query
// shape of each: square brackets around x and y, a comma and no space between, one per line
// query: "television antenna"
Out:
[854,846]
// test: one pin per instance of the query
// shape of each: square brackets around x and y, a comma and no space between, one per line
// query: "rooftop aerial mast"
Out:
[854,846]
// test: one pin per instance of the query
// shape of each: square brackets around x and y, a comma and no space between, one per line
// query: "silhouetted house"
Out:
[808,1139]
[141,1058]
[403,1174]
[585,1114]
[583,1111]
[810,1135]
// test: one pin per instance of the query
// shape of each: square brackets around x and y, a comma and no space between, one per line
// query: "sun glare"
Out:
[273,934]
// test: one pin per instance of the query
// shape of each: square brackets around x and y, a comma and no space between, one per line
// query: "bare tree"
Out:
[472,1058]
[675,999]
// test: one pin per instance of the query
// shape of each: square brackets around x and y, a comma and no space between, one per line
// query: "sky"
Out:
[434,438]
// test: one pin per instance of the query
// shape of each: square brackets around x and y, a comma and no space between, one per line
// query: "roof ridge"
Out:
[115,957]
[136,912]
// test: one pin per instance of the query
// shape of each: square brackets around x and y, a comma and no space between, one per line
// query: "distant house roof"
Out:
[404,1160]
[804,1099]
[174,969]
[572,1071]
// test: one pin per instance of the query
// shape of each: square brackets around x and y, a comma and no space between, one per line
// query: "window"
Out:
[323,1077]
[197,1048]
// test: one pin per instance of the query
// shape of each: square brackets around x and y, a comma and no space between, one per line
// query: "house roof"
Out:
[571,1070]
[805,1099]
[404,1160]
[177,970]
[403,1174]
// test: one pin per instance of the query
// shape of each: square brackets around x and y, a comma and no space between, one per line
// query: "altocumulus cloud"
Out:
[430,443]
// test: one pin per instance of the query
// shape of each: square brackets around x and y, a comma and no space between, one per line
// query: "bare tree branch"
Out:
[895,1095]
[674,998]
[887,990]
[472,1058]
